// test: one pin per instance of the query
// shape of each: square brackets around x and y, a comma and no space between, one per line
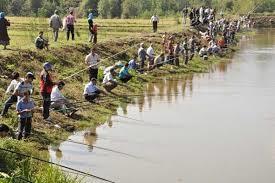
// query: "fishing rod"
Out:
[52,163]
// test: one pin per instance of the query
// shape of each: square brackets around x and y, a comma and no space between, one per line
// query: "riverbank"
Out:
[261,20]
[67,61]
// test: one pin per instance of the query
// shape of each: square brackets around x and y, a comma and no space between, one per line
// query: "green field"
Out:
[24,30]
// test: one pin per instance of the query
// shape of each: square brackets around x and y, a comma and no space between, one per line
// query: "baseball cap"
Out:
[30,75]
[47,66]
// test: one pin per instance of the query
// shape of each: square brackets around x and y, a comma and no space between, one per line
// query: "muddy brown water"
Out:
[217,127]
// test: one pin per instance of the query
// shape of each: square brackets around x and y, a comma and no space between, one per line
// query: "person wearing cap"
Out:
[4,37]
[91,91]
[70,21]
[46,86]
[124,74]
[55,24]
[92,61]
[133,63]
[115,66]
[18,93]
[91,26]
[41,42]
[24,109]
[142,55]
[109,83]
[59,101]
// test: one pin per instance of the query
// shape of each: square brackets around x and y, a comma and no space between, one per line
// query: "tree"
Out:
[115,8]
[15,7]
[35,5]
[103,8]
[131,8]
[4,5]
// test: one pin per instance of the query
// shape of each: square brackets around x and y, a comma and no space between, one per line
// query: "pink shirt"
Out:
[70,20]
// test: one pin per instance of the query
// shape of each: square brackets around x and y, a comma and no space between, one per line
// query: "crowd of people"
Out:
[215,35]
[56,24]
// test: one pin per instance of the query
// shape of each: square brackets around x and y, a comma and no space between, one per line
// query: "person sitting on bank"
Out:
[109,83]
[133,63]
[24,110]
[115,66]
[59,102]
[91,91]
[159,60]
[40,42]
[124,74]
[18,90]
[204,52]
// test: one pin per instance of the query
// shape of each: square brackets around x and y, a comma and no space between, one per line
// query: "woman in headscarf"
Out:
[4,37]
[91,26]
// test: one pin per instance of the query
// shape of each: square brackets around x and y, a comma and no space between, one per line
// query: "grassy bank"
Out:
[67,60]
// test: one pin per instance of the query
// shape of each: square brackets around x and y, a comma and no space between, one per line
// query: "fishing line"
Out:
[62,166]
[97,147]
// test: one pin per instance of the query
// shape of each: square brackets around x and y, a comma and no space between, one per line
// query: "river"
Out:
[216,127]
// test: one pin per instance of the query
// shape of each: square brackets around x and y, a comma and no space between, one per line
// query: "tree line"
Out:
[128,8]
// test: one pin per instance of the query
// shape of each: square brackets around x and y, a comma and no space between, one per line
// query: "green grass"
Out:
[24,30]
[18,167]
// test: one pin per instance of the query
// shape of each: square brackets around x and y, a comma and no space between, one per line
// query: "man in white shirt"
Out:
[151,54]
[155,21]
[59,102]
[109,83]
[92,61]
[91,91]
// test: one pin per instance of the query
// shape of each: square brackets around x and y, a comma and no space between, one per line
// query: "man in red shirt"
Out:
[46,85]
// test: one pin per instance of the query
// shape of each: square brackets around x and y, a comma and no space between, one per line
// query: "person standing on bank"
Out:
[55,24]
[155,21]
[70,20]
[4,37]
[46,86]
[184,15]
[92,61]
[142,56]
[18,87]
[91,26]
[24,109]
